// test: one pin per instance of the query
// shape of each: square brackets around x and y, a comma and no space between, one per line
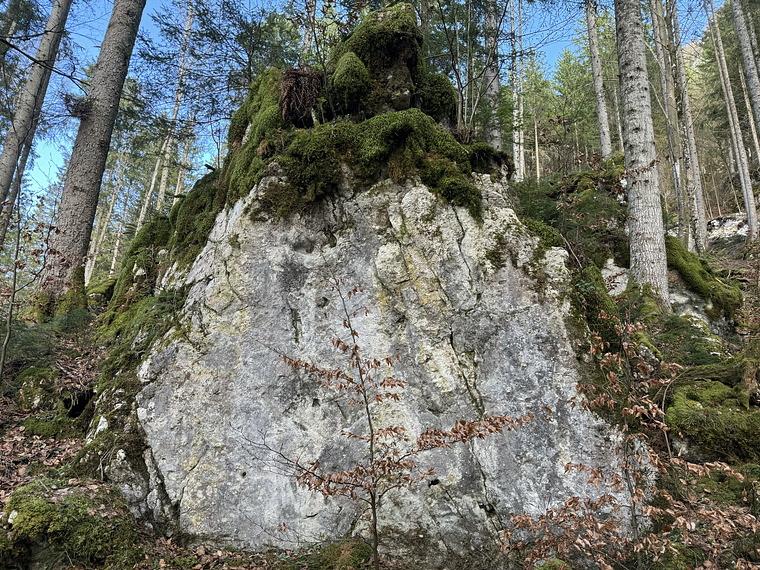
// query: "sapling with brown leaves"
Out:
[390,452]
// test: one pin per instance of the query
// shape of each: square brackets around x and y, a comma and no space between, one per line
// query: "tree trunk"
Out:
[691,158]
[64,272]
[675,148]
[596,72]
[119,233]
[535,140]
[619,122]
[519,174]
[647,234]
[737,142]
[177,102]
[106,220]
[30,102]
[491,74]
[5,218]
[183,166]
[748,58]
[750,118]
[521,100]
[149,192]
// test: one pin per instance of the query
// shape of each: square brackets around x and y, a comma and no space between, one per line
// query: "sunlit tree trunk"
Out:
[30,103]
[596,72]
[64,268]
[148,198]
[647,233]
[183,163]
[7,211]
[516,127]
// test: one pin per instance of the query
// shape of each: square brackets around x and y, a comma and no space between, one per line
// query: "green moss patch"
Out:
[725,298]
[55,524]
[350,82]
[400,145]
[599,308]
[439,98]
[687,341]
[710,415]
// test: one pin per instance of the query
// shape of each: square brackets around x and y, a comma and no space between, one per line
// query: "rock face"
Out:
[478,315]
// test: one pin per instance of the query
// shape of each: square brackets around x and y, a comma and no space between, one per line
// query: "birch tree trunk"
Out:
[30,102]
[748,58]
[596,72]
[691,158]
[647,234]
[737,142]
[64,268]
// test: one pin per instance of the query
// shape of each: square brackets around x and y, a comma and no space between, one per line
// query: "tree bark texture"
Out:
[647,234]
[69,243]
[596,72]
[30,102]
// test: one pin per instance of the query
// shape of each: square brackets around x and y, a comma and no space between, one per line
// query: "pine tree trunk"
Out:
[737,142]
[64,268]
[647,233]
[748,58]
[30,102]
[521,100]
[519,174]
[596,72]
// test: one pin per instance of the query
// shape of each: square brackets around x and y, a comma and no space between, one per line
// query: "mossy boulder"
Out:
[710,415]
[350,82]
[389,44]
[723,298]
[438,98]
[56,524]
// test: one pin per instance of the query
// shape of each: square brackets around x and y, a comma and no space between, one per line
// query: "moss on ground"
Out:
[57,524]
[725,298]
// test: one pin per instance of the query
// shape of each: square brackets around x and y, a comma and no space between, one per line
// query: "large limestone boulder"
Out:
[477,313]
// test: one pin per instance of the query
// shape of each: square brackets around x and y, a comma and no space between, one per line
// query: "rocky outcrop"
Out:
[477,313]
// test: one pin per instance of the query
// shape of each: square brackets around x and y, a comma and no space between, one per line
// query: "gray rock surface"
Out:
[476,312]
